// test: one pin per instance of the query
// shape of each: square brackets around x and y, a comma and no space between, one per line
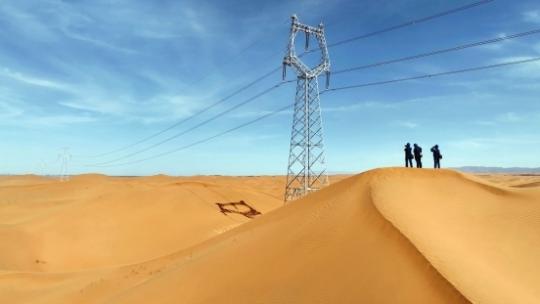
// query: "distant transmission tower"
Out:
[64,158]
[307,168]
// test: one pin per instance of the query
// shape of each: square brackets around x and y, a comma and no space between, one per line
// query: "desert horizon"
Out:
[474,170]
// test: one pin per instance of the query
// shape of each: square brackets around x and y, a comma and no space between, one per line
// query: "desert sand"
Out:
[383,236]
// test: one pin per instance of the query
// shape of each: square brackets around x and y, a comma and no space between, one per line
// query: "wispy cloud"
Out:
[260,113]
[360,106]
[486,123]
[325,109]
[26,24]
[532,16]
[58,120]
[502,45]
[161,108]
[405,124]
[127,78]
[486,143]
[469,144]
[16,113]
[9,111]
[537,47]
[35,81]
[90,101]
[530,70]
[97,42]
[510,117]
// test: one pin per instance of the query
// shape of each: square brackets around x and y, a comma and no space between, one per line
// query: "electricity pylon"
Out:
[307,168]
[64,157]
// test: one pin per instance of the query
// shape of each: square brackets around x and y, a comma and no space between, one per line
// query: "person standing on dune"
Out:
[418,155]
[436,157]
[408,155]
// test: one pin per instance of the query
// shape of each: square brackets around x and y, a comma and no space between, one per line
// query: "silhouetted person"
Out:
[418,155]
[436,156]
[408,155]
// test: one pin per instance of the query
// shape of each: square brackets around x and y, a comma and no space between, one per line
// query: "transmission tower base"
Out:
[307,168]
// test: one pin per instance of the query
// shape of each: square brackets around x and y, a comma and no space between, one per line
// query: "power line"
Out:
[198,113]
[236,92]
[268,74]
[438,52]
[238,55]
[406,24]
[372,65]
[205,122]
[207,139]
[485,67]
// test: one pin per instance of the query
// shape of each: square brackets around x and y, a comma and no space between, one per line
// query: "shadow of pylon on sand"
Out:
[240,207]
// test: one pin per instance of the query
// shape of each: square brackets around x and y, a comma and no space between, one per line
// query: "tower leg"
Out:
[306,171]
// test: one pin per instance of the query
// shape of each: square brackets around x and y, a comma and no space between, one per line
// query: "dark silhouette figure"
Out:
[436,157]
[418,155]
[408,155]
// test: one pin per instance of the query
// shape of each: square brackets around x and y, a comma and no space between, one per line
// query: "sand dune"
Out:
[518,181]
[95,221]
[385,236]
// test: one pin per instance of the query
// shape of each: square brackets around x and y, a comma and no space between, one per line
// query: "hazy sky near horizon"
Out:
[95,76]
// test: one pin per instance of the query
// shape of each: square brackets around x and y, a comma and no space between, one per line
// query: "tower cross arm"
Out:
[291,59]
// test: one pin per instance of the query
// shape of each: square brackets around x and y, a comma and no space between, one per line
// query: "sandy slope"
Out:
[385,236]
[517,181]
[94,221]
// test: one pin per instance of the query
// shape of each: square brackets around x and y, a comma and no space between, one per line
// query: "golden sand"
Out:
[384,236]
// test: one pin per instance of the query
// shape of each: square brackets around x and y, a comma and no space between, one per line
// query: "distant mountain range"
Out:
[511,170]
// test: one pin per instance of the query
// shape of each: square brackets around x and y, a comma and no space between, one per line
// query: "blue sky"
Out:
[98,75]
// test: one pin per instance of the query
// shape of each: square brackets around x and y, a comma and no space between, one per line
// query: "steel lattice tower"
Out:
[64,157]
[307,168]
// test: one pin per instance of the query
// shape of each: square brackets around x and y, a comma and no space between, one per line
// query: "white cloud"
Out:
[360,106]
[8,110]
[468,144]
[499,45]
[518,76]
[486,123]
[255,114]
[32,80]
[327,109]
[510,117]
[405,124]
[160,108]
[167,107]
[487,143]
[109,25]
[16,113]
[527,70]
[507,59]
[193,22]
[97,42]
[25,23]
[95,105]
[532,16]
[56,120]
[537,47]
